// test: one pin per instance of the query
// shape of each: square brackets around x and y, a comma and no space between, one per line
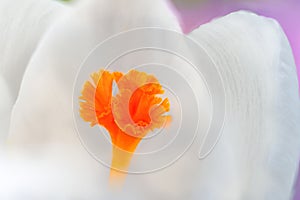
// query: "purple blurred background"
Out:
[192,13]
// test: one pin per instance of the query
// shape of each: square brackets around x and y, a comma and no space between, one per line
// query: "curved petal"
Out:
[193,13]
[43,116]
[22,24]
[262,125]
[68,44]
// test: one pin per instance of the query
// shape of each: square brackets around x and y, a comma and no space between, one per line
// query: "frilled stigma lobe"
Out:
[129,115]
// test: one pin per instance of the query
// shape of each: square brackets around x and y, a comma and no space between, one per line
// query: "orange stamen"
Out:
[129,116]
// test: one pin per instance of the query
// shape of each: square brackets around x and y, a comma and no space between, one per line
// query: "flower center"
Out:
[129,115]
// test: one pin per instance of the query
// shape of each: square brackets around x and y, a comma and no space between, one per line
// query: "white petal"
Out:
[255,60]
[22,23]
[64,49]
[46,121]
[257,156]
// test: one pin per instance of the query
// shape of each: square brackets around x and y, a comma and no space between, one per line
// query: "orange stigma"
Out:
[128,116]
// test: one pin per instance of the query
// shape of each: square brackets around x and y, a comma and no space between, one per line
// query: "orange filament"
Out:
[128,116]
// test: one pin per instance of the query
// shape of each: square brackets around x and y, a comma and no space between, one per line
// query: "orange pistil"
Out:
[128,116]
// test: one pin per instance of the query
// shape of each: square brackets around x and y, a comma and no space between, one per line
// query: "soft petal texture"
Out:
[42,123]
[22,24]
[64,49]
[255,60]
[193,13]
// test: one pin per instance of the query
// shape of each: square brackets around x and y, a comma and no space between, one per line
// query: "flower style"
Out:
[130,115]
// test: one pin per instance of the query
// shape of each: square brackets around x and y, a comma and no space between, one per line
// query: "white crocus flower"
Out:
[256,157]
